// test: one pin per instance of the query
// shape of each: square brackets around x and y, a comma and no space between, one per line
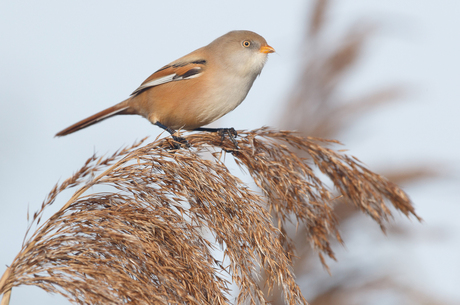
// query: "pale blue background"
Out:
[61,61]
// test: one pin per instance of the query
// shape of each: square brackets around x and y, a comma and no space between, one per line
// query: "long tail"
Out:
[121,108]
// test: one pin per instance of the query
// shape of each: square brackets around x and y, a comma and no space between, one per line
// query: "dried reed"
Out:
[317,107]
[142,243]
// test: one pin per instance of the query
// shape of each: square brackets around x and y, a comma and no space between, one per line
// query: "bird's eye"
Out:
[246,43]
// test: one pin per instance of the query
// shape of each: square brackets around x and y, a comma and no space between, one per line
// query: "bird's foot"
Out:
[179,142]
[232,134]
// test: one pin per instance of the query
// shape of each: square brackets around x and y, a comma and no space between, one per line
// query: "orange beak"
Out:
[266,49]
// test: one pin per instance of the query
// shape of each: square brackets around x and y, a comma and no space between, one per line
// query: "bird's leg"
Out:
[231,132]
[179,140]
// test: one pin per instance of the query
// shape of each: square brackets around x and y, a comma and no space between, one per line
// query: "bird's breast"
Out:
[224,96]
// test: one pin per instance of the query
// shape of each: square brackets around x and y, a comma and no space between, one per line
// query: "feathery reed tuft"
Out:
[143,243]
[317,106]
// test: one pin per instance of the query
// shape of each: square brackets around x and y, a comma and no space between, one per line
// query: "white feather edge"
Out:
[163,80]
[155,82]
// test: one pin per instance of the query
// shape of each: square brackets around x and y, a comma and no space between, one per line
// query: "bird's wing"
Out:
[173,72]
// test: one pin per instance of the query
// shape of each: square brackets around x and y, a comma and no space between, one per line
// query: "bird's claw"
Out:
[179,141]
[232,134]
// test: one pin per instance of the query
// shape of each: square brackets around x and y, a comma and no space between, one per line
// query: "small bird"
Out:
[196,89]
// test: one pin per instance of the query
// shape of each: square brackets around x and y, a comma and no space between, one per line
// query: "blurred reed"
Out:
[317,108]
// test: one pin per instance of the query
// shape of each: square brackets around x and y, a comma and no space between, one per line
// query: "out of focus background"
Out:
[379,76]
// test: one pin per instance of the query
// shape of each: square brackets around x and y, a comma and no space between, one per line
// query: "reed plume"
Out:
[143,243]
[316,106]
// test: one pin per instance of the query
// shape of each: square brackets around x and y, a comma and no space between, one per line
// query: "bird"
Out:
[196,89]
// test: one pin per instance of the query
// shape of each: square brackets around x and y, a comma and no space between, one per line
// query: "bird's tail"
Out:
[121,108]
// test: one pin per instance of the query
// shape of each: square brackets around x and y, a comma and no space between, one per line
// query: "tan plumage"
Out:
[196,89]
